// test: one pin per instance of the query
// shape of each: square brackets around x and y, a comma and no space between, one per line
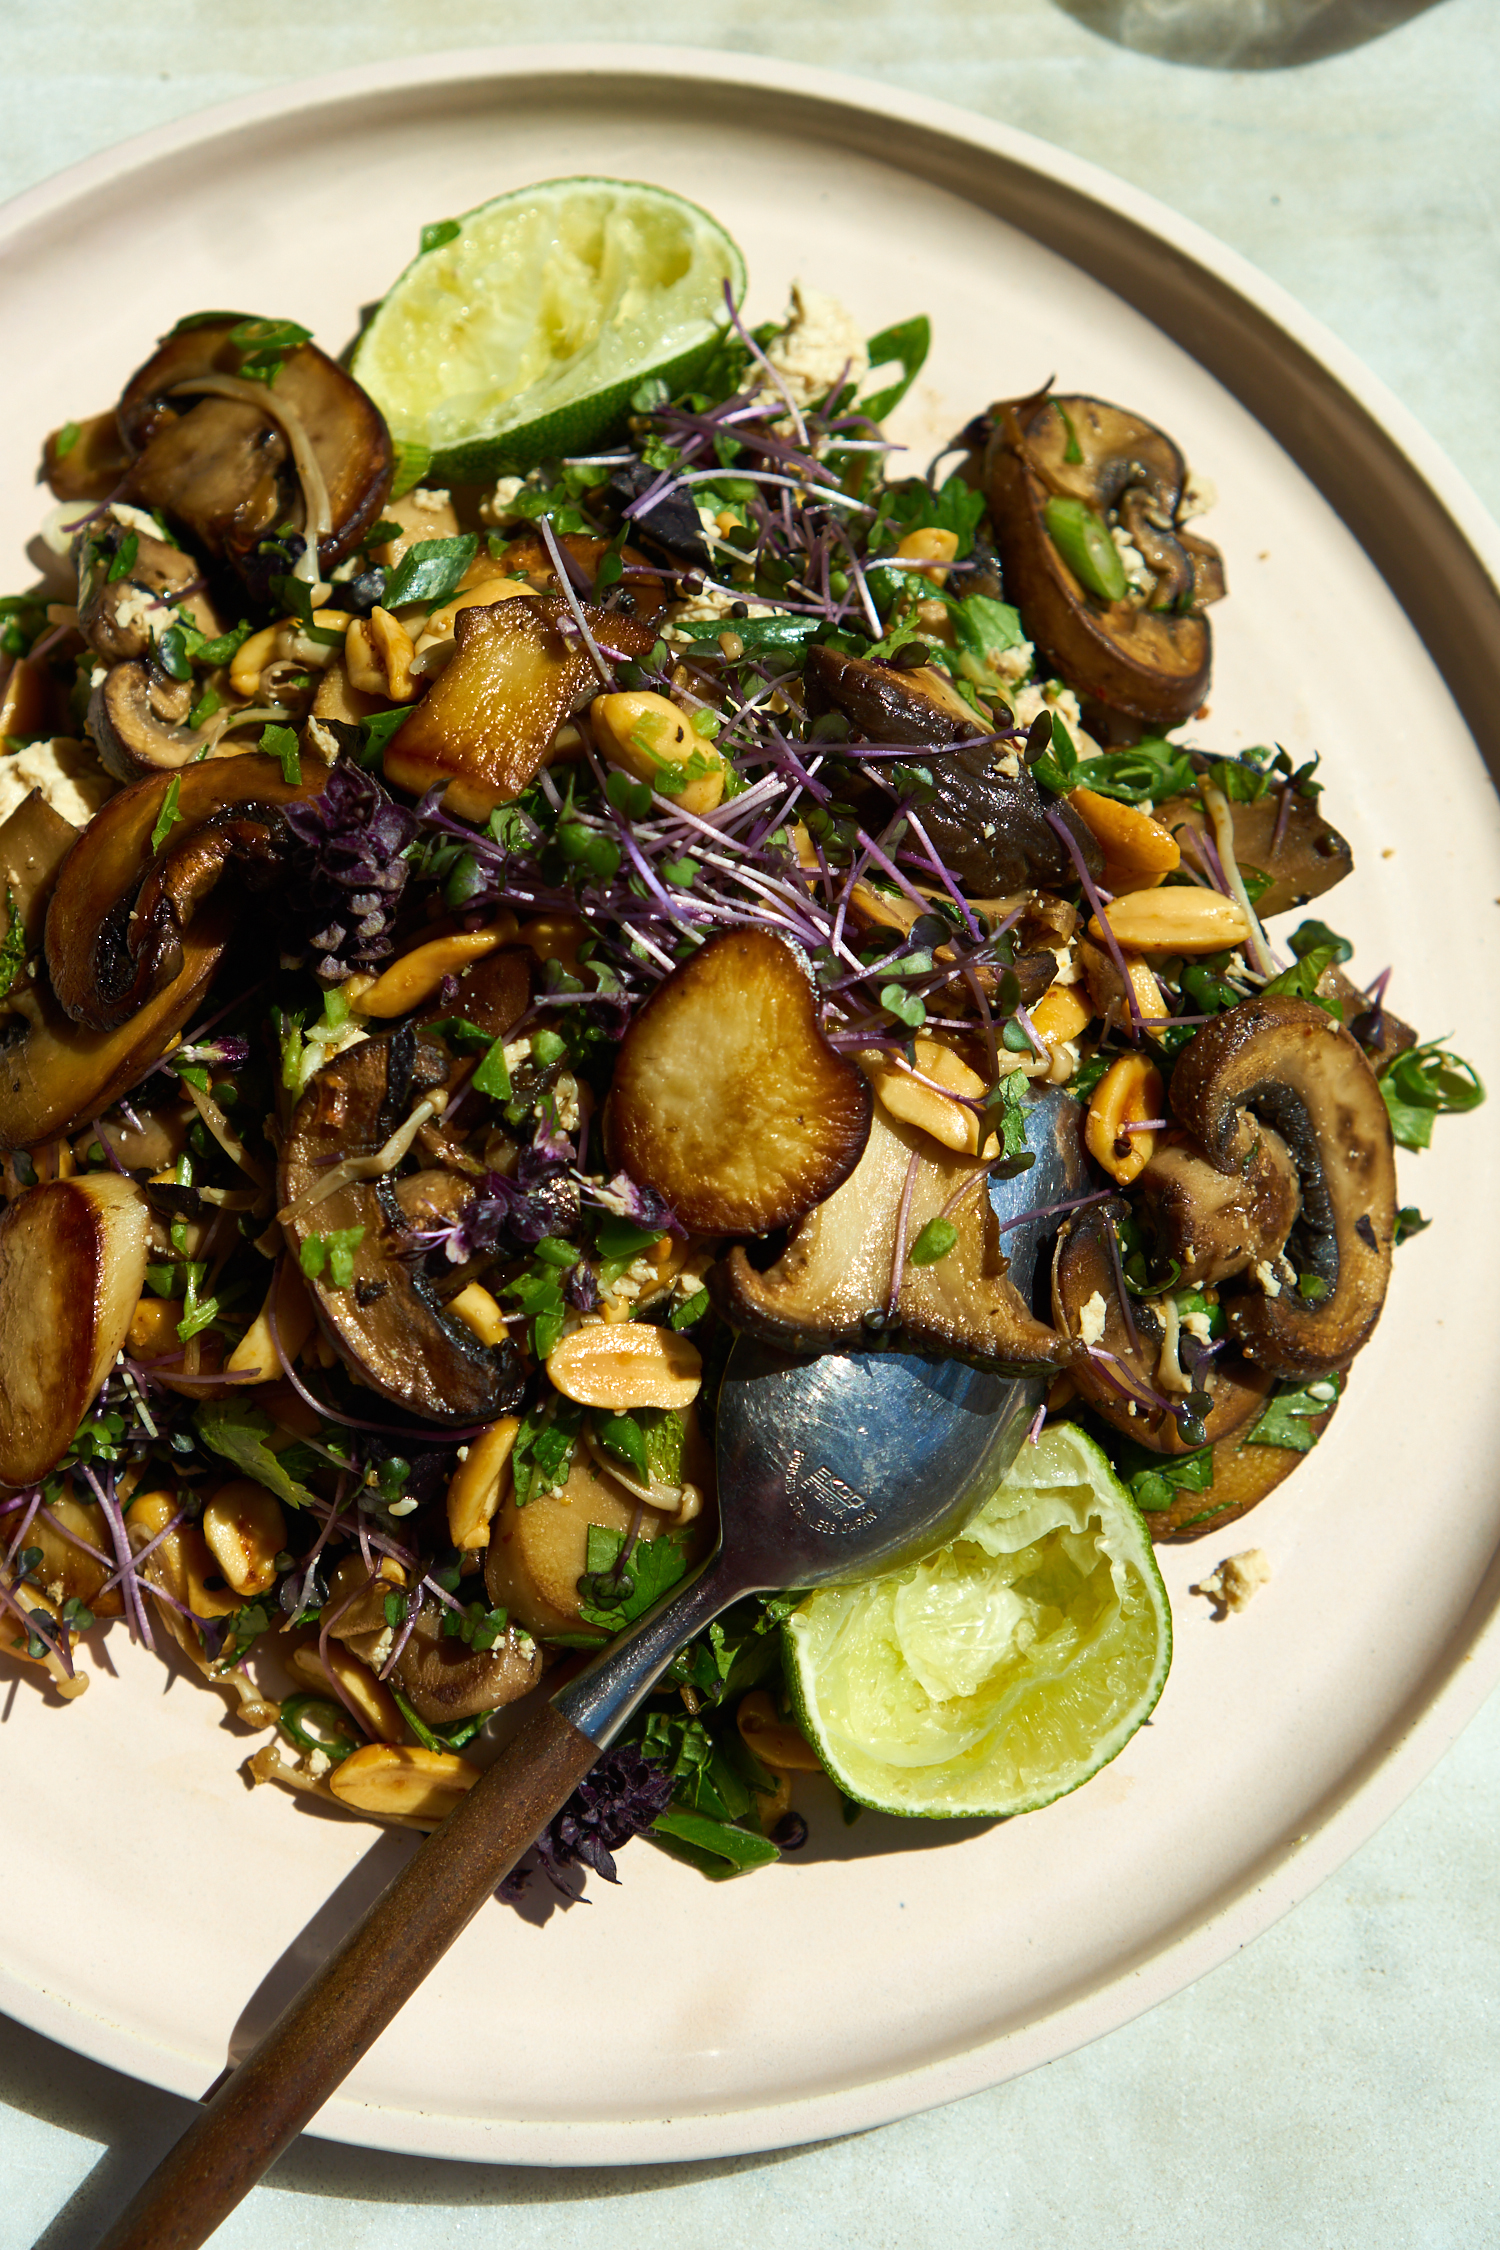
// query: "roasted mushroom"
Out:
[1281,835]
[832,1285]
[384,1319]
[137,723]
[72,1266]
[119,909]
[1129,1353]
[1293,1068]
[443,1679]
[121,612]
[986,817]
[1244,1474]
[1215,1222]
[1143,652]
[234,460]
[728,1100]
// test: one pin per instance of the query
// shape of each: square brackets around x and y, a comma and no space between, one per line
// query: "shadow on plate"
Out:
[137,2125]
[1243,34]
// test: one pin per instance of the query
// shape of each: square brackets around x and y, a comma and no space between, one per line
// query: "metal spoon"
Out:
[830,1469]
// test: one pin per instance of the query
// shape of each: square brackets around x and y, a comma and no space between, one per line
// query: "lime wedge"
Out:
[1004,1671]
[521,334]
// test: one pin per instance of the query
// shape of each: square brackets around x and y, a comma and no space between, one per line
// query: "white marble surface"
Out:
[1336,2087]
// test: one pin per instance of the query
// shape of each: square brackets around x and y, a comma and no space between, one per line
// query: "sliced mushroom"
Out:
[56,1076]
[136,723]
[34,842]
[1283,837]
[485,726]
[1217,1223]
[987,819]
[537,1554]
[1294,1068]
[119,910]
[72,1266]
[120,617]
[831,1286]
[1116,1367]
[386,1325]
[234,460]
[1243,1475]
[444,1680]
[1148,659]
[728,1100]
[85,460]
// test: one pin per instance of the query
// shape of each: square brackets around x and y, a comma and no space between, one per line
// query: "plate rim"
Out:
[1454,1688]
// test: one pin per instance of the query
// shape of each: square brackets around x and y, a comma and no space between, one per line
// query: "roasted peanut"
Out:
[1060,1014]
[555,937]
[377,656]
[245,1530]
[933,547]
[775,1741]
[183,1564]
[480,1314]
[280,643]
[1179,920]
[1138,851]
[1130,1090]
[479,1483]
[645,734]
[153,1327]
[621,1365]
[379,1713]
[411,1784]
[1106,990]
[416,976]
[904,1096]
[295,1322]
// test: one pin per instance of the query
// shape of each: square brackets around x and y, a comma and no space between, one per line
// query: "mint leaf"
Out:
[430,570]
[1289,1414]
[238,1433]
[613,1595]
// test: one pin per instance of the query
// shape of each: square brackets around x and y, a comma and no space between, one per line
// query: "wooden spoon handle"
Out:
[320,2036]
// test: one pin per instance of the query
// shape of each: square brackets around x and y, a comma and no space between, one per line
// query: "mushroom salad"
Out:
[470,951]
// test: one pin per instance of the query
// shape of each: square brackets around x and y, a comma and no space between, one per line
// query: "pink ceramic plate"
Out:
[889,1967]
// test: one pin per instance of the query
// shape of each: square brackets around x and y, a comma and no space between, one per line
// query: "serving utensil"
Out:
[829,1469]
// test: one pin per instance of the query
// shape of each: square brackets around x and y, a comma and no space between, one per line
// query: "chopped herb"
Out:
[934,1242]
[123,561]
[67,438]
[265,345]
[1425,1083]
[430,570]
[280,743]
[335,1252]
[1409,1221]
[1289,1414]
[168,818]
[543,1451]
[13,946]
[690,1311]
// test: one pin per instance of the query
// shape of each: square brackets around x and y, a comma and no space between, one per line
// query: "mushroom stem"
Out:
[310,475]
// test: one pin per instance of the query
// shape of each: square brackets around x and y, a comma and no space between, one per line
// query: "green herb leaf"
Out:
[1424,1083]
[430,570]
[934,1242]
[333,1251]
[543,1451]
[67,438]
[690,1311]
[905,345]
[718,1849]
[1310,937]
[265,345]
[168,818]
[238,1433]
[123,561]
[1289,1414]
[1409,1221]
[376,731]
[612,1595]
[493,1074]
[622,1435]
[1081,537]
[904,1006]
[13,947]
[280,743]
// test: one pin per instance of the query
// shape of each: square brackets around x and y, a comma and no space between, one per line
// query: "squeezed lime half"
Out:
[1004,1671]
[522,335]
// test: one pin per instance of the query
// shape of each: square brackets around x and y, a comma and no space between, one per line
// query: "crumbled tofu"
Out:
[1236,1579]
[1197,1324]
[430,498]
[380,1653]
[1067,966]
[137,605]
[1266,1276]
[1091,1319]
[1008,765]
[1199,494]
[67,773]
[565,1102]
[317,1763]
[99,675]
[498,507]
[1013,664]
[322,741]
[820,344]
[135,519]
[1138,575]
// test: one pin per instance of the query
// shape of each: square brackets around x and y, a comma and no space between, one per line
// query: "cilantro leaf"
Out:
[430,570]
[238,1433]
[543,1451]
[616,1589]
[280,743]
[1289,1414]
[904,344]
[1427,1082]
[333,1251]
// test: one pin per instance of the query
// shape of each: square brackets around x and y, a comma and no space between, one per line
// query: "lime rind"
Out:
[1004,1672]
[522,336]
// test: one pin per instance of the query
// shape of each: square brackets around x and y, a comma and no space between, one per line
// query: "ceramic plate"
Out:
[889,1966]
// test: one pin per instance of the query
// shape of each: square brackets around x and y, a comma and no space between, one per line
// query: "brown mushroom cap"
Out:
[444,1680]
[1302,853]
[112,615]
[1293,1067]
[119,911]
[1149,662]
[838,1265]
[989,828]
[135,722]
[1217,1223]
[1122,1388]
[387,1326]
[220,454]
